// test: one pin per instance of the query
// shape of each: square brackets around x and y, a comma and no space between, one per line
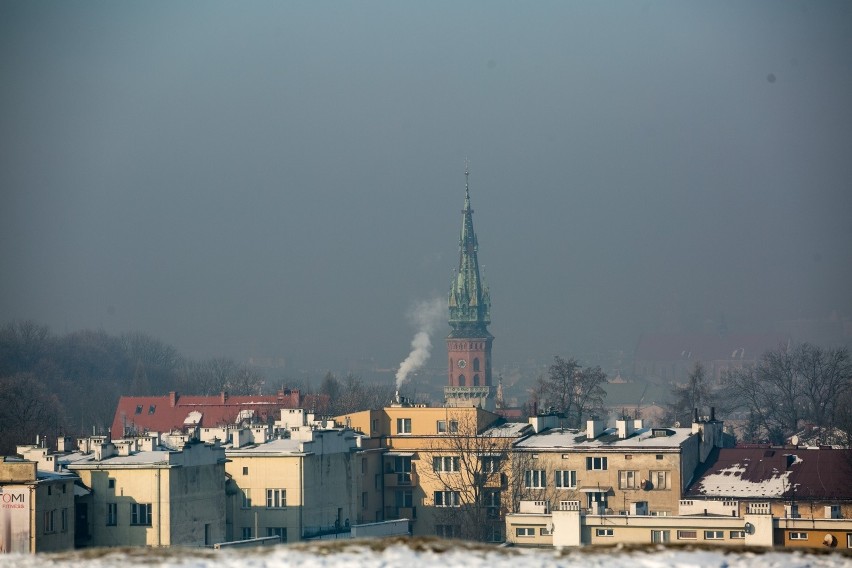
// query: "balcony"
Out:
[495,481]
[392,513]
[407,479]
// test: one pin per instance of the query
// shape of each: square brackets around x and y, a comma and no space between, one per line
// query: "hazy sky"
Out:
[286,178]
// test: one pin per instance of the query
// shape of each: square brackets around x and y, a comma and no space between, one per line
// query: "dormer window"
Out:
[152,409]
[138,409]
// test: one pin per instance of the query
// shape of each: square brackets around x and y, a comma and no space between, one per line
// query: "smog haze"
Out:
[285,179]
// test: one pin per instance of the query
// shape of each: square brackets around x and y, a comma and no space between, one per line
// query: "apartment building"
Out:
[145,494]
[795,485]
[36,506]
[296,488]
[613,470]
[445,469]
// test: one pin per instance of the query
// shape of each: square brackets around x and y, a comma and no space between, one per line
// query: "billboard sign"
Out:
[14,519]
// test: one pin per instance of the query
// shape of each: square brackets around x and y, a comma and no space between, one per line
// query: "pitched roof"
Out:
[777,473]
[175,412]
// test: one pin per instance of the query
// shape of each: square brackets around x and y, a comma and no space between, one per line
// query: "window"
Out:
[138,409]
[535,479]
[451,426]
[446,498]
[110,483]
[490,464]
[246,533]
[245,470]
[276,498]
[402,467]
[476,363]
[687,535]
[280,532]
[112,514]
[566,479]
[525,531]
[140,514]
[596,500]
[404,498]
[48,521]
[660,480]
[63,520]
[849,540]
[445,464]
[364,499]
[714,535]
[152,409]
[737,534]
[660,536]
[378,481]
[403,425]
[604,532]
[628,479]
[363,466]
[595,463]
[50,489]
[447,531]
[659,456]
[491,500]
[544,531]
[798,536]
[247,498]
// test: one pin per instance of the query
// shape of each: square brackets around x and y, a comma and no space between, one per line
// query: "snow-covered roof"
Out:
[777,473]
[644,438]
[507,430]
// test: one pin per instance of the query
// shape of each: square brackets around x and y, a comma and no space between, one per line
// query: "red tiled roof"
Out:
[169,412]
[777,473]
[705,346]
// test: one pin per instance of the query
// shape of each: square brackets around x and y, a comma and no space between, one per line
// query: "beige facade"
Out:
[298,487]
[442,468]
[571,527]
[143,495]
[36,508]
[613,470]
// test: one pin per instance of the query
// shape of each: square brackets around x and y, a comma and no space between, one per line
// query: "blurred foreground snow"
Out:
[426,553]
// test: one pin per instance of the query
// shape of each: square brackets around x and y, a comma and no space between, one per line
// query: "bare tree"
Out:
[573,391]
[29,409]
[470,471]
[694,394]
[791,386]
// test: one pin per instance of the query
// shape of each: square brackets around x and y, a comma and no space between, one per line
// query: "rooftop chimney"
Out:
[173,396]
[594,427]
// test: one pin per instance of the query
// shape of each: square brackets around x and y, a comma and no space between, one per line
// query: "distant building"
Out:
[469,342]
[136,415]
[670,357]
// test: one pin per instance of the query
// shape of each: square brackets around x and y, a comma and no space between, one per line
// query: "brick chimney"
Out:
[173,396]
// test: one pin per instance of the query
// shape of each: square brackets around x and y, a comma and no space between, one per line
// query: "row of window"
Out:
[493,532]
[50,520]
[656,535]
[629,479]
[275,498]
[140,514]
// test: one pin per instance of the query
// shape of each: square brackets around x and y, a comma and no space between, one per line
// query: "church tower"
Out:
[469,342]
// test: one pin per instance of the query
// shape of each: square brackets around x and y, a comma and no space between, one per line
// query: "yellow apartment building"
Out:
[297,487]
[446,469]
[614,470]
[145,495]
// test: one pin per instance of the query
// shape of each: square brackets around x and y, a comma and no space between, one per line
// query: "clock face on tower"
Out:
[462,363]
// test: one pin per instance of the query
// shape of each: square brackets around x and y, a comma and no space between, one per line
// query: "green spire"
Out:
[469,300]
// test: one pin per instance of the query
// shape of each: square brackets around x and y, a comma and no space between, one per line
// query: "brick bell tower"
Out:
[469,342]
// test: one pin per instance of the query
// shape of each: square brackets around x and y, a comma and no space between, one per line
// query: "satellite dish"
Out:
[749,528]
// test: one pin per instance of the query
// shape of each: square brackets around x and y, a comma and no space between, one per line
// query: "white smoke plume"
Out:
[427,316]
